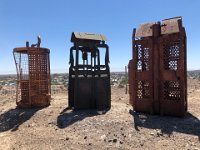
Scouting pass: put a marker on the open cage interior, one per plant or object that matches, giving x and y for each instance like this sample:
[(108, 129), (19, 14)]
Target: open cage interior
[(22, 91), (89, 73)]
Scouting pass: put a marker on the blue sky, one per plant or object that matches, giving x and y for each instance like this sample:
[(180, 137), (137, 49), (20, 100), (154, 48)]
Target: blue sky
[(54, 20)]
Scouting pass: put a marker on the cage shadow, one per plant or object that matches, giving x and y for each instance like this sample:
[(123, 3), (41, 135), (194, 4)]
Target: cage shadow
[(13, 118), (68, 116), (167, 124)]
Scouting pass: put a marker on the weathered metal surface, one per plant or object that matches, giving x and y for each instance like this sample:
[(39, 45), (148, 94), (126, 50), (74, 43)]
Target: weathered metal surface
[(87, 36), (33, 76), (142, 90), (173, 93), (144, 30), (157, 71), (89, 78), (172, 25)]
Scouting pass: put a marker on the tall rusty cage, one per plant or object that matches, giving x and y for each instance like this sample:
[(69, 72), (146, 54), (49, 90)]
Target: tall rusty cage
[(157, 71), (89, 72), (33, 76)]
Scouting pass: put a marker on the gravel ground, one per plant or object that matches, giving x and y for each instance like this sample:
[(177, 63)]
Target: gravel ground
[(56, 127)]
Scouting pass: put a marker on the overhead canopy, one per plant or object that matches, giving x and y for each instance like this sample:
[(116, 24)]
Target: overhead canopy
[(76, 36)]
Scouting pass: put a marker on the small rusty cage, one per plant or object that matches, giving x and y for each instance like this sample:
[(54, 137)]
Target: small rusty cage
[(89, 73), (33, 76), (157, 71)]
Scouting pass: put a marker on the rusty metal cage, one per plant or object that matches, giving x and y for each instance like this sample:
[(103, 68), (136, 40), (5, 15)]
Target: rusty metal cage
[(157, 71), (33, 76), (89, 74)]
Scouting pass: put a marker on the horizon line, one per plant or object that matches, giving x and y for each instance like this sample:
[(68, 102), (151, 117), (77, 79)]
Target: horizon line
[(68, 72)]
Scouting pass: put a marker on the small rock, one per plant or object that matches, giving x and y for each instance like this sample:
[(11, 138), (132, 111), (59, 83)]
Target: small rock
[(110, 144), (85, 137), (114, 140), (67, 138), (123, 135), (152, 133), (103, 137), (121, 142), (109, 140), (90, 143), (159, 134)]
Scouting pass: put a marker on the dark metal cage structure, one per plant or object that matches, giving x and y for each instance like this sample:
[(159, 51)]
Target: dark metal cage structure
[(157, 71), (89, 72), (33, 75)]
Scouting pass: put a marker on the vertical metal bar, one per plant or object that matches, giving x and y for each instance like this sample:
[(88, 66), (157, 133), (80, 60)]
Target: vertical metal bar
[(49, 77), (126, 89), (134, 78), (185, 67), (156, 63), (17, 87), (29, 78), (76, 77)]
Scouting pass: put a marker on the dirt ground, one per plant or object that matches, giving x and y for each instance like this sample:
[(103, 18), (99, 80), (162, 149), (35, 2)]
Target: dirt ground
[(55, 127)]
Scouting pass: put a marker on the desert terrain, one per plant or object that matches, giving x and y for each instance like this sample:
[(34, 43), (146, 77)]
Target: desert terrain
[(56, 127)]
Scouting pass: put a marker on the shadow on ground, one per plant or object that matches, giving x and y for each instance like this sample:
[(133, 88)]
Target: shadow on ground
[(13, 118), (68, 117), (188, 125)]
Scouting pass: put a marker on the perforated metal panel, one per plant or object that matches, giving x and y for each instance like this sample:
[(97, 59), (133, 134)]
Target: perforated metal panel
[(157, 72), (173, 74), (141, 76), (33, 76)]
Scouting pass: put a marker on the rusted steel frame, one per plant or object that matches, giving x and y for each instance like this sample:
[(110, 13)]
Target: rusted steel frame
[(143, 76), (17, 87), (37, 74), (80, 43), (183, 35), (179, 76), (183, 69), (159, 72), (156, 69), (80, 48), (133, 68), (49, 75), (76, 75), (30, 100)]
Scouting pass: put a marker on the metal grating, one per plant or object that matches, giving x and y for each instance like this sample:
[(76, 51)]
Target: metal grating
[(143, 58), (172, 91), (171, 55), (22, 65), (33, 76), (143, 90), (157, 71)]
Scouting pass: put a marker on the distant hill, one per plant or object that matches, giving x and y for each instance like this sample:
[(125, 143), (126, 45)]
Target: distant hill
[(189, 73), (193, 71), (194, 74)]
